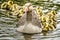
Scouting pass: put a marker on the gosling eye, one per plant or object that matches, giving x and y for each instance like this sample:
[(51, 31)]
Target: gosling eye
[(11, 3), (4, 5)]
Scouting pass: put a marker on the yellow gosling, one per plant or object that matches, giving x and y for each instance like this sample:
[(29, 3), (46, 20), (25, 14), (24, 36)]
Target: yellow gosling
[(52, 18), (10, 3), (43, 18), (50, 23), (15, 7), (45, 25), (51, 27), (7, 5), (39, 11), (4, 5), (52, 14), (20, 12), (45, 29), (53, 23), (15, 13)]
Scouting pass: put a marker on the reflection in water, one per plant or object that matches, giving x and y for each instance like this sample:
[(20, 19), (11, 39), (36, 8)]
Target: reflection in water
[(27, 36)]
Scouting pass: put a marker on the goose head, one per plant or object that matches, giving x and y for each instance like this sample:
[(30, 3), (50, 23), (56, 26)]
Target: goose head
[(27, 7)]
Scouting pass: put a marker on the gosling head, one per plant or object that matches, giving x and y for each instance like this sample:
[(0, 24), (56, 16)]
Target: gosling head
[(4, 5), (10, 3), (53, 12)]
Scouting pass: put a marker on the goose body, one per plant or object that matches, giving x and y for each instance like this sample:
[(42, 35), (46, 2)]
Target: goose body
[(29, 23)]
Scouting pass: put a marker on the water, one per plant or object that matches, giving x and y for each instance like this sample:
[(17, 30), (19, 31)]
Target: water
[(8, 24)]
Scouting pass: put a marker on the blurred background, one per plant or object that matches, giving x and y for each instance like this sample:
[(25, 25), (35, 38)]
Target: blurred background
[(8, 23)]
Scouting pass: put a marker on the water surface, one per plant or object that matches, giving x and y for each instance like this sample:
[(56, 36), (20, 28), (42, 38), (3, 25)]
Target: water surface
[(8, 24)]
